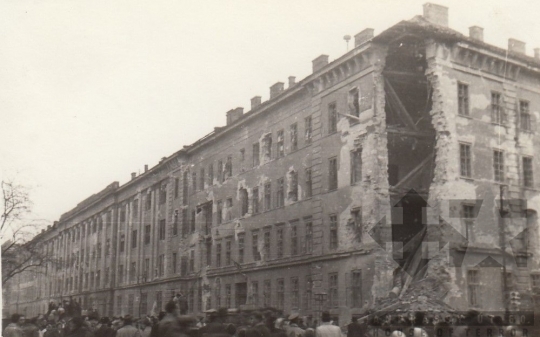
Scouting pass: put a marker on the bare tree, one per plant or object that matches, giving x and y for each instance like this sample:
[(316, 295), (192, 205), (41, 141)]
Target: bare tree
[(20, 252)]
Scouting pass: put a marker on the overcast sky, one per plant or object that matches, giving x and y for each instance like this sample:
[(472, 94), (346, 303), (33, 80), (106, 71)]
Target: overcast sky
[(91, 91)]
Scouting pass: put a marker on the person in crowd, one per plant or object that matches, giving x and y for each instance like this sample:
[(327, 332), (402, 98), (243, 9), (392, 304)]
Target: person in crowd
[(309, 332), (170, 325), (30, 328), (154, 332), (103, 328), (214, 327), (145, 326), (14, 328), (355, 329), (327, 329), (77, 328), (127, 329), (257, 326), (52, 330), (294, 330)]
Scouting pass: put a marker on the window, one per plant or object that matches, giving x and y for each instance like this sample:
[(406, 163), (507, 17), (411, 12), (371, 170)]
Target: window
[(120, 275), (333, 299), (333, 231), (465, 160), (332, 174), (159, 300), (193, 218), (161, 265), (356, 289), (468, 219), (201, 178), (242, 154), (498, 166), (267, 147), (294, 136), (356, 166), (122, 216), (191, 261), (219, 214), (175, 223), (279, 234), (256, 155), (185, 190), (266, 239), (255, 293), (280, 193), (332, 117), (280, 144), (241, 248), (528, 179), (535, 282), (294, 237), (229, 209), (267, 196), (135, 208), (218, 255), (176, 187), (244, 201), (255, 201), (280, 293), (228, 167), (295, 293), (308, 129), (293, 186), (185, 223), (357, 221), (119, 304), (122, 243), (228, 250), (524, 116), (354, 102), (133, 271), (98, 279), (99, 249), (147, 234), (210, 175), (463, 99), (497, 112), (163, 195), (144, 303), (134, 239), (220, 171), (309, 235), (209, 253), (174, 263), (162, 229), (184, 265), (267, 293), (309, 183), (218, 293), (105, 277), (194, 181), (255, 246), (107, 248), (473, 287), (227, 295), (131, 303)]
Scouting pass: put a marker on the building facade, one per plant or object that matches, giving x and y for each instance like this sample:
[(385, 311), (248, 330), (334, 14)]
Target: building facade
[(317, 199)]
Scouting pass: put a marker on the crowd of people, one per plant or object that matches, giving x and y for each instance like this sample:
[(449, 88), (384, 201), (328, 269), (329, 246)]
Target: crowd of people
[(173, 322)]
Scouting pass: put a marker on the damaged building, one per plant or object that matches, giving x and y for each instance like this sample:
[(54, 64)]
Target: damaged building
[(404, 169)]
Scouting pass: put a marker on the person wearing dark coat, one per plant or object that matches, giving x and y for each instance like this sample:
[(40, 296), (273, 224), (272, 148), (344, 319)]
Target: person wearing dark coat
[(104, 328), (77, 328), (170, 325), (355, 329)]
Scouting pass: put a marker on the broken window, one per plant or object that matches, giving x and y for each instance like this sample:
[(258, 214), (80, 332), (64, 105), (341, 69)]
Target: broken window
[(333, 232), (294, 136), (228, 167), (267, 147), (356, 166), (279, 234), (280, 146), (256, 154), (162, 229), (332, 174), (194, 180), (463, 99), (524, 116), (255, 246), (309, 235), (333, 299), (241, 240), (332, 117), (473, 283), (497, 111), (267, 196), (294, 237), (356, 289), (293, 186), (308, 129), (528, 178), (354, 102), (309, 183), (219, 214), (255, 201), (465, 160), (210, 175), (280, 193), (498, 165), (244, 200)]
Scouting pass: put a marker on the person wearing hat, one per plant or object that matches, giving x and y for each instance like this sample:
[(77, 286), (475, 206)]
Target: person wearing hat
[(293, 330), (103, 329), (327, 329)]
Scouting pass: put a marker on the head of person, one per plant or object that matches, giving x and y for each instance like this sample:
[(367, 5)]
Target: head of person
[(105, 321), (75, 323), (293, 318), (15, 318), (127, 320), (355, 319), (256, 318), (161, 315), (170, 307), (309, 332), (325, 317)]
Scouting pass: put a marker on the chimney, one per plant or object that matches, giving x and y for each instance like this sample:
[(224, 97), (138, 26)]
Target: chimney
[(363, 36), (146, 168), (133, 175), (255, 102), (320, 62), (234, 114), (537, 53), (292, 81), (516, 46), (476, 33), (276, 89), (436, 14)]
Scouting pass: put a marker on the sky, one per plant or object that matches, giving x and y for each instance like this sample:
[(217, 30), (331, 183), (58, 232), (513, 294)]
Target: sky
[(92, 90)]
